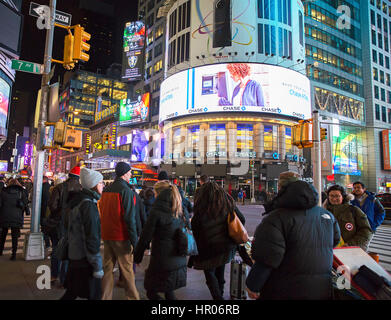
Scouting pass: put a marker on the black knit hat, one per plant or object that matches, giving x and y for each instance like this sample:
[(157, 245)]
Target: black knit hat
[(162, 176), (121, 168)]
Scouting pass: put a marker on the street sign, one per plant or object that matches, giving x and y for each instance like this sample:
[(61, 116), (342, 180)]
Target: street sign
[(63, 18), (25, 66)]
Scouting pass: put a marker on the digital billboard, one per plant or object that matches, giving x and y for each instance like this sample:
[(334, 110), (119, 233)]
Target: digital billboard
[(4, 104), (3, 165), (10, 25), (133, 51), (346, 152), (386, 137), (134, 112), (139, 146), (236, 87)]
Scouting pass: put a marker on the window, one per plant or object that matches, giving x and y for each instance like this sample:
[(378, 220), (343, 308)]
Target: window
[(383, 114), (381, 76), (383, 94), (245, 137), (380, 41), (386, 43), (379, 21), (389, 96), (375, 74), (376, 92), (388, 81), (381, 61), (373, 17), (217, 138), (260, 37), (389, 115), (377, 112), (288, 139), (387, 62), (374, 56), (374, 37), (268, 138)]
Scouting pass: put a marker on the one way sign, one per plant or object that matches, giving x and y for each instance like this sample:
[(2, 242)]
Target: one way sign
[(38, 10)]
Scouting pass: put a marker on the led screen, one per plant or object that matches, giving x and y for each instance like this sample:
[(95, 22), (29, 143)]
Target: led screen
[(346, 151), (133, 51), (10, 26), (386, 138), (133, 112), (3, 166), (236, 87), (4, 104), (139, 146)]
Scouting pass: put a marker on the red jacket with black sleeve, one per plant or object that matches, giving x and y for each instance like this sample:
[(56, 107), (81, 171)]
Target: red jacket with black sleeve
[(118, 213)]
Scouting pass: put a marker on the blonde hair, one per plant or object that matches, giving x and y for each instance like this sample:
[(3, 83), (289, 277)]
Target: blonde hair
[(175, 196)]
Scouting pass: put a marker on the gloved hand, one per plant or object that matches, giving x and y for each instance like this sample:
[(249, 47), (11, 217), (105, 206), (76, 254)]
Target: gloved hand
[(98, 274)]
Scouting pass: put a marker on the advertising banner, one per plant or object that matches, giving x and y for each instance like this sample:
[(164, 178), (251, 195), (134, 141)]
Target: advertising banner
[(236, 87), (347, 159), (133, 51), (135, 112), (3, 165), (4, 104), (386, 137)]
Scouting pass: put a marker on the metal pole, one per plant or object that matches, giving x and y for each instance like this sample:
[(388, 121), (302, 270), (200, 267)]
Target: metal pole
[(253, 187), (316, 156), (40, 157)]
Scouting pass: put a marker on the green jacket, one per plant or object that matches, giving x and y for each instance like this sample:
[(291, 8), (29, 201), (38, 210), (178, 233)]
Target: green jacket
[(354, 224)]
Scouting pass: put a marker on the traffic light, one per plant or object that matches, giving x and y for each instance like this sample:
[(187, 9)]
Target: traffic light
[(68, 52), (106, 139), (323, 134), (251, 163), (80, 44), (302, 134)]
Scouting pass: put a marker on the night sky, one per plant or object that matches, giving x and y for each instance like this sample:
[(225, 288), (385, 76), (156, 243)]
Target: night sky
[(33, 45)]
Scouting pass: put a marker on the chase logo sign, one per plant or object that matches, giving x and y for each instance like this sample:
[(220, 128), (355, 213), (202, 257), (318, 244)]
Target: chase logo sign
[(132, 60)]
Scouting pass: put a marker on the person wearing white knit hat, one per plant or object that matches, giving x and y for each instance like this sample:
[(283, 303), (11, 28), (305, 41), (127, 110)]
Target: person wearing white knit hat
[(85, 272)]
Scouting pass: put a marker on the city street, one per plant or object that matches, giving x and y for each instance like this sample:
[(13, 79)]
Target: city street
[(18, 278)]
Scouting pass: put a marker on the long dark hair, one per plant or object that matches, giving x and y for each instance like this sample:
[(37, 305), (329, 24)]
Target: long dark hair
[(212, 200)]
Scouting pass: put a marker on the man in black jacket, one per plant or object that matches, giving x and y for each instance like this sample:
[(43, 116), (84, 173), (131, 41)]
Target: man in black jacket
[(293, 248)]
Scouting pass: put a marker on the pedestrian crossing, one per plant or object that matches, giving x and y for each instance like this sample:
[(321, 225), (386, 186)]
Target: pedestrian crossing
[(381, 244), (8, 242)]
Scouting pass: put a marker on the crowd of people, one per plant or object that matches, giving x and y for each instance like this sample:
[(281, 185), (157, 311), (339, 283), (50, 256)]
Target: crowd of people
[(292, 247)]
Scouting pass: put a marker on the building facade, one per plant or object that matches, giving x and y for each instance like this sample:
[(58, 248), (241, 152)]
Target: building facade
[(234, 86), (11, 21), (376, 17), (334, 54)]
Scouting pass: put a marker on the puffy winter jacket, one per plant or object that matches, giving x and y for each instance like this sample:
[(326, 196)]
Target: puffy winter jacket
[(296, 241), (13, 204), (373, 209), (167, 269)]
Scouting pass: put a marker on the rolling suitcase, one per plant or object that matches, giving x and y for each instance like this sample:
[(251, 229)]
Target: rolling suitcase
[(239, 271)]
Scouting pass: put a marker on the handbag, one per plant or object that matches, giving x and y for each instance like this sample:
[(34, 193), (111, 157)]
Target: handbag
[(192, 249), (236, 230)]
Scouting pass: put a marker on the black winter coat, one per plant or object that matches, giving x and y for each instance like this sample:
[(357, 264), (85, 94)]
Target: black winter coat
[(296, 241), (13, 204), (167, 270), (214, 245)]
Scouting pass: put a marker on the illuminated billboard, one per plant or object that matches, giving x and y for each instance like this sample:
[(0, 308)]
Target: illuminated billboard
[(134, 112), (346, 152), (4, 104), (236, 87), (386, 138), (3, 165), (133, 51)]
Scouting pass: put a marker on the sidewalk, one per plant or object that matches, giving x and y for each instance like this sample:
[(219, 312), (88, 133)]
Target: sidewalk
[(18, 282)]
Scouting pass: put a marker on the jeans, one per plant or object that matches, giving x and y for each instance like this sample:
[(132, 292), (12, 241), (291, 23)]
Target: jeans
[(57, 267), (215, 282)]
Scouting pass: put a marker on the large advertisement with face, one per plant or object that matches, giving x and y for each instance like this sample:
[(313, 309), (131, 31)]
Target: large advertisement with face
[(225, 29), (4, 104), (236, 87), (133, 51)]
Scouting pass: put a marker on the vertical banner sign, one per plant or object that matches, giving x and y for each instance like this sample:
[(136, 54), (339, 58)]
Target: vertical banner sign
[(133, 51), (386, 149)]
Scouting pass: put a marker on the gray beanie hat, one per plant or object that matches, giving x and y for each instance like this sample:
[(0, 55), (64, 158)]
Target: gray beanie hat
[(89, 178)]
